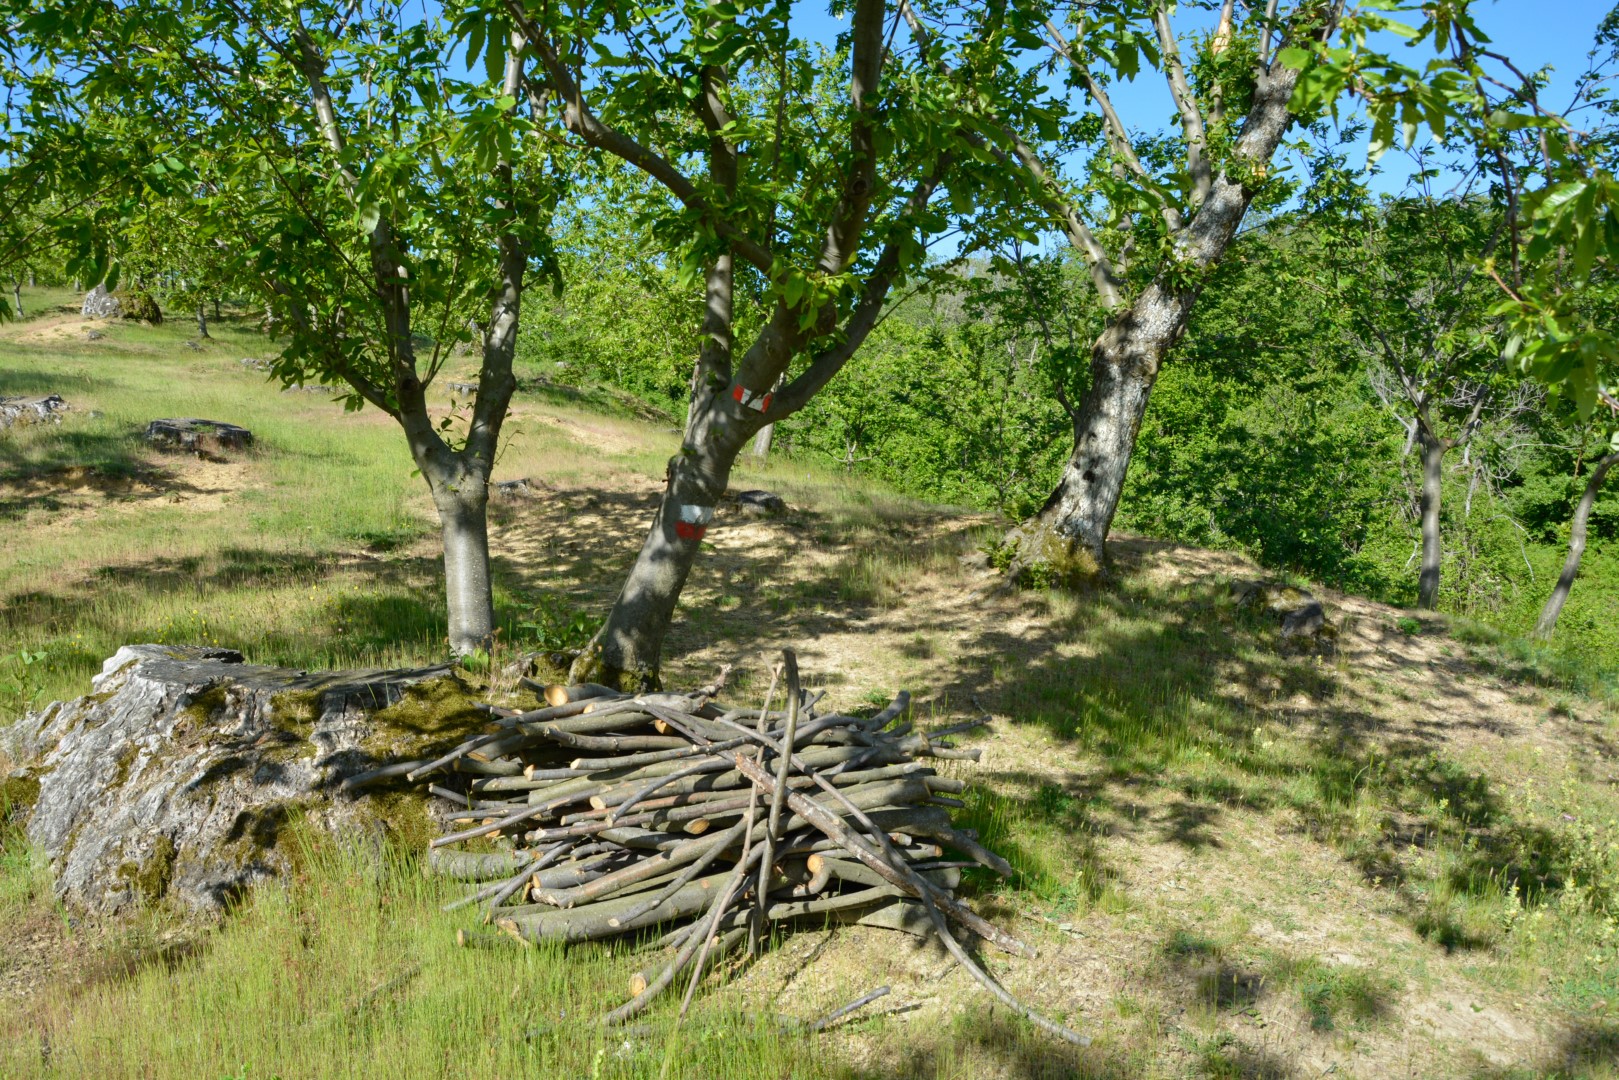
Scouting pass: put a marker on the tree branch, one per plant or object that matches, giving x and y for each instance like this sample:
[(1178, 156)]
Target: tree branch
[(860, 183), (579, 119), (1118, 138), (1109, 287), (1192, 132)]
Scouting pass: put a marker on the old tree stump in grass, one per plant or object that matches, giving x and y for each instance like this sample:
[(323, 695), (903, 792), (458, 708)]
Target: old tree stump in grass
[(177, 778), (197, 436), (17, 411)]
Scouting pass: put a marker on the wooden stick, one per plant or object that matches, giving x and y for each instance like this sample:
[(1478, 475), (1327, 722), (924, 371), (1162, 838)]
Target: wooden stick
[(838, 1014)]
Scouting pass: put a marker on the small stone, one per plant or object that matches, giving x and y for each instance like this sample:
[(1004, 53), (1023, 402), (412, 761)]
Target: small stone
[(101, 304), (18, 411), (197, 436), (760, 503), (253, 363), (463, 389), (94, 335)]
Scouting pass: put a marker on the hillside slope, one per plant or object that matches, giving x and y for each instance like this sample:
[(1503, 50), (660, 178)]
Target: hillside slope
[(1398, 856)]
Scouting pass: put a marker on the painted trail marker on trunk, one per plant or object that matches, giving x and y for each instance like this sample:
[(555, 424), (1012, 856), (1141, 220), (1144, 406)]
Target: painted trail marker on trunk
[(757, 400), (693, 522)]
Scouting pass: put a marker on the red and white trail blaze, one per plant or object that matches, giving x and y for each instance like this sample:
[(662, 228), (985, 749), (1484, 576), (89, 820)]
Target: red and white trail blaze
[(757, 400), (693, 522)]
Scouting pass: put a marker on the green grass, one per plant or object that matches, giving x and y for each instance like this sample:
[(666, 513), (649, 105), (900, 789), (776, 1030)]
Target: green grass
[(350, 970)]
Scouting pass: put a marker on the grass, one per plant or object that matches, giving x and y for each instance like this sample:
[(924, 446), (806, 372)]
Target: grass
[(1231, 848), (350, 970)]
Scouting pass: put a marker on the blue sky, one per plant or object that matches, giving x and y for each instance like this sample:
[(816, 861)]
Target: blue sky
[(1534, 33)]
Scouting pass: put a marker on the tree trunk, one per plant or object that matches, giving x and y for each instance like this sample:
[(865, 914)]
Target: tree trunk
[(762, 441), (202, 320), (1576, 548), (216, 309), (463, 519), (33, 280), (16, 296), (1433, 462), (1067, 538), (625, 652), (767, 434)]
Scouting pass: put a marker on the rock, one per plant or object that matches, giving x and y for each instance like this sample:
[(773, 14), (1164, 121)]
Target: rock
[(463, 389), (1306, 620), (176, 780), (141, 306), (94, 335), (17, 411), (198, 436), (194, 346), (310, 388), (514, 490), (760, 503), (1301, 615), (101, 304), (253, 363)]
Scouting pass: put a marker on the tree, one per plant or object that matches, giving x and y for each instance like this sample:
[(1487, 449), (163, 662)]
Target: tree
[(1554, 179), (1414, 304), (819, 196), (365, 189), (1150, 224)]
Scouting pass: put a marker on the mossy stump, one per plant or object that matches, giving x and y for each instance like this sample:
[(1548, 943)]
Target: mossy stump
[(179, 779)]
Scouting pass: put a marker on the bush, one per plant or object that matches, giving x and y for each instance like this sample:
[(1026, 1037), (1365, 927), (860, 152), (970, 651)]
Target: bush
[(141, 305)]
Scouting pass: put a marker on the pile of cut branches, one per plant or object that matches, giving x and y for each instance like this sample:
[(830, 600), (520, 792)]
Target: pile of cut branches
[(605, 814)]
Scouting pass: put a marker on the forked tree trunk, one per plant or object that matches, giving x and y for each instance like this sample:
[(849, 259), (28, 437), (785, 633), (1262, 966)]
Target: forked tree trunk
[(1069, 534), (202, 320), (1433, 464), (1576, 548), (1067, 537)]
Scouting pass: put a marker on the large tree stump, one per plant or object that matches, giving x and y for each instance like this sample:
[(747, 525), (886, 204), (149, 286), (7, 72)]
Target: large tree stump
[(178, 778), (197, 436)]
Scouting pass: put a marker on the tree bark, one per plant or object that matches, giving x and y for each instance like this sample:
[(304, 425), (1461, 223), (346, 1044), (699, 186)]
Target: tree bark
[(462, 509), (202, 320), (1576, 548), (1067, 537), (216, 309), (626, 650), (762, 441), (16, 296), (1433, 463)]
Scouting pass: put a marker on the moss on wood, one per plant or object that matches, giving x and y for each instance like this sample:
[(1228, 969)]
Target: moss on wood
[(151, 881), (427, 715)]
